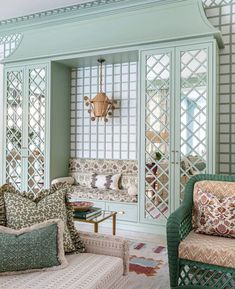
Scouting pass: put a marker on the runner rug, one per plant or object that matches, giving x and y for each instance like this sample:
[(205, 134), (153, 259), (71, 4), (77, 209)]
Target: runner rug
[(148, 266)]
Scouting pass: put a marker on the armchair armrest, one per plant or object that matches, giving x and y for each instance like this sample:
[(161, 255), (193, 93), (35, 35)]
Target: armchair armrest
[(107, 245), (179, 225)]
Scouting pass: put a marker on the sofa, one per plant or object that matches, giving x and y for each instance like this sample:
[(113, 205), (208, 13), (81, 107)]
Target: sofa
[(105, 265)]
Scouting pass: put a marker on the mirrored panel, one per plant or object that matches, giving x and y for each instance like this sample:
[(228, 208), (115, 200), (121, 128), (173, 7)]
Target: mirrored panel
[(14, 100), (36, 128), (193, 114), (157, 123)]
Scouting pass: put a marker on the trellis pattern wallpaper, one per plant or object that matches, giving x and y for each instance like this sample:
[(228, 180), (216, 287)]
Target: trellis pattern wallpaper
[(221, 14), (105, 141), (116, 139)]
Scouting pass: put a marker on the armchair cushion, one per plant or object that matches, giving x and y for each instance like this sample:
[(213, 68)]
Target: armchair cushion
[(207, 249)]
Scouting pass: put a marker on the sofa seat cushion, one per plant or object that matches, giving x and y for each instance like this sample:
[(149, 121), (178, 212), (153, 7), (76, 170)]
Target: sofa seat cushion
[(207, 249), (85, 271), (82, 192)]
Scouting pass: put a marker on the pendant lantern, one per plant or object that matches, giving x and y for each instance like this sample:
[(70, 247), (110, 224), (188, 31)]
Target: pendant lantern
[(100, 105)]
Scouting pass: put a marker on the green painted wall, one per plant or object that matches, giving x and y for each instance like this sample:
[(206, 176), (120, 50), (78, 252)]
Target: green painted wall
[(59, 120)]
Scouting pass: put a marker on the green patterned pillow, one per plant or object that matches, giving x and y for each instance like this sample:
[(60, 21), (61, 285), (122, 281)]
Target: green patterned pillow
[(3, 189), (36, 248), (25, 209)]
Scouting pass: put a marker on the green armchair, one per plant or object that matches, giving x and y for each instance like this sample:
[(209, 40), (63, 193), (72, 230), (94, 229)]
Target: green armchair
[(191, 274)]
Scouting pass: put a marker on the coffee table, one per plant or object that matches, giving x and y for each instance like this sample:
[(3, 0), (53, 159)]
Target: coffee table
[(96, 220)]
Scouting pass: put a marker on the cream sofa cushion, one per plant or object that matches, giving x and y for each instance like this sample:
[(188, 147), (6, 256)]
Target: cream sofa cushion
[(85, 271)]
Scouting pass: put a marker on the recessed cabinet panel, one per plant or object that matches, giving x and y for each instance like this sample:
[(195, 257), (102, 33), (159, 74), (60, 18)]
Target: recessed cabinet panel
[(14, 127)]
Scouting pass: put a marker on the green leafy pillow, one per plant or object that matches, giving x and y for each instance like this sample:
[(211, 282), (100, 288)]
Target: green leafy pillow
[(36, 248), (25, 209)]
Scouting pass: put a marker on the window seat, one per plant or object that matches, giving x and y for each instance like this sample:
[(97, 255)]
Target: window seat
[(82, 192)]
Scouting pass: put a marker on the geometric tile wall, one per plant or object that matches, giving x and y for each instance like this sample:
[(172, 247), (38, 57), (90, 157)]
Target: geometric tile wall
[(221, 13), (117, 138)]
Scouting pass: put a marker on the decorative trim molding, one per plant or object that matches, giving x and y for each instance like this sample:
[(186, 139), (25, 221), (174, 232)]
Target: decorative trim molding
[(58, 11), (66, 11), (9, 43)]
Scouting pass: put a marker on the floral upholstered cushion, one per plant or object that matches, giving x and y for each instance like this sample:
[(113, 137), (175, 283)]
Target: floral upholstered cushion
[(81, 170), (104, 181), (26, 209), (213, 215), (208, 249), (81, 192)]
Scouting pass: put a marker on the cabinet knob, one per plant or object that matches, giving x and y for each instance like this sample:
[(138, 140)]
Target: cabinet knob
[(121, 213)]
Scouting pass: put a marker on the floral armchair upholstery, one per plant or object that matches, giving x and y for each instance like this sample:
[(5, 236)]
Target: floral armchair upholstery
[(199, 261)]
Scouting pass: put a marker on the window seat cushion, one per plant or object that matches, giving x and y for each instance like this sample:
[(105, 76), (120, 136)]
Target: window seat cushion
[(81, 192)]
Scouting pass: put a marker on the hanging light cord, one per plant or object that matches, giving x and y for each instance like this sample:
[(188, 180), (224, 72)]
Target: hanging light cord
[(101, 75)]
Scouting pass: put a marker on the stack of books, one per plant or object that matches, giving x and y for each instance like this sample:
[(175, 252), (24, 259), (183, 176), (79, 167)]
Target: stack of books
[(88, 215)]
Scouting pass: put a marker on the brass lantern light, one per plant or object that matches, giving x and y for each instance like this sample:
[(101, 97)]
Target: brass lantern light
[(100, 105)]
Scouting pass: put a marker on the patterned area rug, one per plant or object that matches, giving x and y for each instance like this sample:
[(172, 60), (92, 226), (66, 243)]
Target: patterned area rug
[(148, 266)]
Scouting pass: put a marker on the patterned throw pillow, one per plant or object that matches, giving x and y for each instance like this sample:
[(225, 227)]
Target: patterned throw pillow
[(214, 216), (26, 209), (4, 188), (108, 182), (39, 248)]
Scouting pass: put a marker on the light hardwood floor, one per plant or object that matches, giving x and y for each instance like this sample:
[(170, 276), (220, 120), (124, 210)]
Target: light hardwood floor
[(137, 236)]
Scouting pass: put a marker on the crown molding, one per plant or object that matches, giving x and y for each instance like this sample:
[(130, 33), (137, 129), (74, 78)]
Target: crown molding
[(68, 13)]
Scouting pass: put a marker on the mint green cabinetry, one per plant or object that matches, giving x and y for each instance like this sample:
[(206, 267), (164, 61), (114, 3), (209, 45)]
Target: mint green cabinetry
[(37, 124), (178, 111), (176, 48)]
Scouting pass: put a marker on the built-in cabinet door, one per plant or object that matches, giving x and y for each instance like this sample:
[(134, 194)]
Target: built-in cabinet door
[(157, 103), (25, 145), (195, 125), (13, 165), (177, 125), (36, 125)]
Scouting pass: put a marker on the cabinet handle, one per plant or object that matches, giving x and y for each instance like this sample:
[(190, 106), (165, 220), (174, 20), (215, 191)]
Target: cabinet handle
[(172, 157), (121, 213), (177, 157)]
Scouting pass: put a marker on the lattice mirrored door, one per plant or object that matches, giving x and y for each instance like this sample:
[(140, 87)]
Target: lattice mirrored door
[(14, 127), (157, 136), (26, 91), (193, 114), (36, 127)]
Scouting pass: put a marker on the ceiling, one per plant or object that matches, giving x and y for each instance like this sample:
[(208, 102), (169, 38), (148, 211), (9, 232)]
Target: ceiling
[(16, 8)]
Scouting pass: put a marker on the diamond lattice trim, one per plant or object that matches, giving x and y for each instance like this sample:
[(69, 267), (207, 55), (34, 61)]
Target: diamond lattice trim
[(212, 3), (193, 114), (36, 124), (8, 44), (14, 127), (156, 140)]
